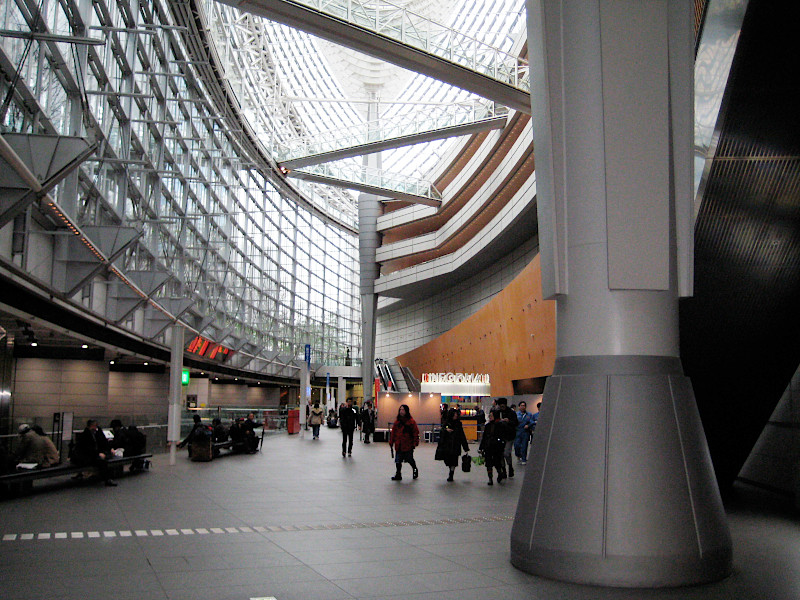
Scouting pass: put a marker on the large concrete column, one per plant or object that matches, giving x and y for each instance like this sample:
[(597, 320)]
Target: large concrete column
[(341, 392), (369, 240), (369, 209), (175, 390), (620, 488)]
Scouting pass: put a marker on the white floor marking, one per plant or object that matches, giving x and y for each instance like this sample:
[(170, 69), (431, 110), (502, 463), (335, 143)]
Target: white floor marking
[(76, 535)]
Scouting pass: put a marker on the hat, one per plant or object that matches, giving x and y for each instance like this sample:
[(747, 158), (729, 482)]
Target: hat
[(24, 428)]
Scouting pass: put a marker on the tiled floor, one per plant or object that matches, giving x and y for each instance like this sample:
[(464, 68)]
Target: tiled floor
[(298, 521)]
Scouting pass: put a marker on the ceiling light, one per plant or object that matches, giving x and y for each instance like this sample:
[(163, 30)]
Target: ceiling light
[(111, 362), (34, 344), (145, 364), (85, 346)]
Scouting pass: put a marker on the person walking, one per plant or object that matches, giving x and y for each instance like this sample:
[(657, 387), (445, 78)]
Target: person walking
[(403, 438), (493, 445), (315, 419), (367, 421), (508, 418), (451, 441), (526, 423), (480, 419), (348, 419)]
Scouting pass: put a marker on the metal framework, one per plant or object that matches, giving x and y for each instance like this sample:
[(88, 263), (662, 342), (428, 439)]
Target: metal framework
[(213, 236)]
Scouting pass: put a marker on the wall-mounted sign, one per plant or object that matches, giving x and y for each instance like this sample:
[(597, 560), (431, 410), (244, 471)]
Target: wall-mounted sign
[(208, 349), (185, 377), (456, 384)]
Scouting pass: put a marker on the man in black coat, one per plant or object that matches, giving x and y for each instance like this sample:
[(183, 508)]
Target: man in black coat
[(92, 449), (509, 421), (367, 416), (348, 419)]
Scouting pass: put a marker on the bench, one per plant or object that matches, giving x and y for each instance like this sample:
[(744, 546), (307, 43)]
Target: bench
[(28, 476), (217, 446)]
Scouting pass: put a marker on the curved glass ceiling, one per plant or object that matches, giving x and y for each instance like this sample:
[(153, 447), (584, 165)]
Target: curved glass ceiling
[(293, 85)]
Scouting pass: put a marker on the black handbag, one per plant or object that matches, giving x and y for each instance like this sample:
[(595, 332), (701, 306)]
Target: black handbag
[(466, 463)]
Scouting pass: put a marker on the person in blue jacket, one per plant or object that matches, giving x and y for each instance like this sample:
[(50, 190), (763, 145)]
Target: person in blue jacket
[(526, 423)]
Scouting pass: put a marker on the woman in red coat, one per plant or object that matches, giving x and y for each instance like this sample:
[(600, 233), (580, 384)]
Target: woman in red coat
[(404, 438)]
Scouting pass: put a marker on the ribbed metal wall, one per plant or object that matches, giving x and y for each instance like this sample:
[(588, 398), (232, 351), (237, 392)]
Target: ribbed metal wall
[(740, 333)]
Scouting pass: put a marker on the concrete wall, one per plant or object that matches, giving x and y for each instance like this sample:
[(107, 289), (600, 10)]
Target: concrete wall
[(45, 386), (142, 397), (87, 389)]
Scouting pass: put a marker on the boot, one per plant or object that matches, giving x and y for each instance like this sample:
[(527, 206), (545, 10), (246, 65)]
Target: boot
[(450, 477), (397, 476), (491, 481), (510, 472), (415, 473)]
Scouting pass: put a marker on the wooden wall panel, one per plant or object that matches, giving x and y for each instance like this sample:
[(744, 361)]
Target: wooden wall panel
[(512, 337)]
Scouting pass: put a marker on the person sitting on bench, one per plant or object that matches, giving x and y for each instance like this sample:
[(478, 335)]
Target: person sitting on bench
[(92, 449), (36, 448), (251, 440), (197, 424), (238, 436)]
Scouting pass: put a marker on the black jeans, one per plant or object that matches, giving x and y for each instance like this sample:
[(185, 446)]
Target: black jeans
[(347, 440)]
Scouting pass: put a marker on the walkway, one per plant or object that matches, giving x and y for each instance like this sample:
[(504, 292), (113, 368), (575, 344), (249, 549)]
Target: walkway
[(298, 521)]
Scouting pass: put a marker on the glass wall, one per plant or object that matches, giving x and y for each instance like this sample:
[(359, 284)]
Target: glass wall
[(259, 261)]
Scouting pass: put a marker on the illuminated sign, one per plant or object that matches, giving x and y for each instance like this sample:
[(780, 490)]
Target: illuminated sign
[(208, 349), (185, 377), (455, 378), (456, 384)]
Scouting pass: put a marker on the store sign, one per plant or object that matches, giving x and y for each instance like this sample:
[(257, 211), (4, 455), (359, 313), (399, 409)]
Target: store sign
[(456, 384), (455, 378)]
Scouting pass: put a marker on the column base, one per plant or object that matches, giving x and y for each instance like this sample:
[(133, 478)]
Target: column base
[(620, 490)]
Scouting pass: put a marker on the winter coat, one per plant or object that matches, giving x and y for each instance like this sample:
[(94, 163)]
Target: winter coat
[(35, 448), (510, 427), (89, 445), (317, 416), (348, 418), (493, 443), (404, 435), (367, 420), (451, 441)]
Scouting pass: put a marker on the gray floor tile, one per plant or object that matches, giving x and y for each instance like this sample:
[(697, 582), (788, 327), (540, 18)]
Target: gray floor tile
[(340, 531)]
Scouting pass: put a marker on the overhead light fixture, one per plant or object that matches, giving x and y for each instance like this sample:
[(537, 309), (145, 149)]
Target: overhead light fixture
[(34, 344), (111, 362), (145, 364), (85, 346)]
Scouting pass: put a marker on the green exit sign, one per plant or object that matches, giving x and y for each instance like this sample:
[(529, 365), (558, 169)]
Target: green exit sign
[(185, 377)]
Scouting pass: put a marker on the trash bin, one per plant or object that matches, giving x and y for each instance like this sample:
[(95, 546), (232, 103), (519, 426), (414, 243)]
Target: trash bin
[(293, 421)]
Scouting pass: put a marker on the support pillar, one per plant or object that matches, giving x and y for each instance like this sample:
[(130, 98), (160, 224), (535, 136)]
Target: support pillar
[(369, 240), (341, 392), (620, 489), (175, 390)]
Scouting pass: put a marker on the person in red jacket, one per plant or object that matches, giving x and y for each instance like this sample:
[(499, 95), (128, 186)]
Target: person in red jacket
[(404, 438)]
